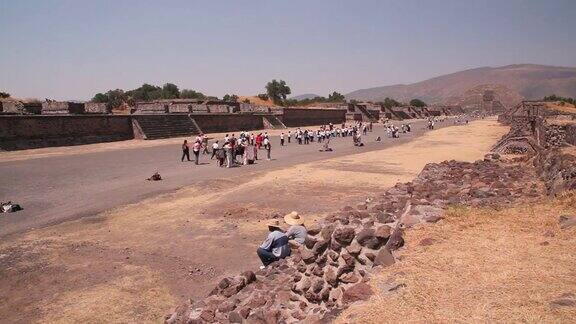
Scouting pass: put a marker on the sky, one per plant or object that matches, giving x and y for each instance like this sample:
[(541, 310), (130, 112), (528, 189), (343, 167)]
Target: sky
[(70, 50)]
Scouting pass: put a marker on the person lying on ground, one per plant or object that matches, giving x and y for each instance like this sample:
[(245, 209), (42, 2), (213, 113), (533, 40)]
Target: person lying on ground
[(275, 246)]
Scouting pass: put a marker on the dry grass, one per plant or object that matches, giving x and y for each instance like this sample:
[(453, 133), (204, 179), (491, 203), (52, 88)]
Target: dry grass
[(563, 107), (485, 266)]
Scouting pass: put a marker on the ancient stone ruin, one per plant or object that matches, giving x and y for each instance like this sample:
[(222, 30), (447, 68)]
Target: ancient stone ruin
[(333, 268)]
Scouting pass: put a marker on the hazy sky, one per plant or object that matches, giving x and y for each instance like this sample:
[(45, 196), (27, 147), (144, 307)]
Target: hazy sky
[(73, 49)]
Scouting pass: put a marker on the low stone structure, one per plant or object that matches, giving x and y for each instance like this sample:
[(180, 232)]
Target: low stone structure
[(23, 132), (542, 133), (96, 108), (20, 108), (333, 267), (62, 108)]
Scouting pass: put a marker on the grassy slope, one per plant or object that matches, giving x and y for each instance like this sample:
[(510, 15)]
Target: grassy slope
[(485, 265)]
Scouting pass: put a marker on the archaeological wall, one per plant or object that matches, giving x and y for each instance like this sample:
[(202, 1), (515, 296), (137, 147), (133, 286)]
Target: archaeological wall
[(22, 132), (292, 117), (214, 123)]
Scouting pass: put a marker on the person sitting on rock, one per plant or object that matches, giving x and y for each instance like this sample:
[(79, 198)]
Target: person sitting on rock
[(275, 246), (297, 233)]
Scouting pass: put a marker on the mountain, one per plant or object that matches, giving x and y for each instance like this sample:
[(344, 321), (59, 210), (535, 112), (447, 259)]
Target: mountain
[(516, 82), (305, 96)]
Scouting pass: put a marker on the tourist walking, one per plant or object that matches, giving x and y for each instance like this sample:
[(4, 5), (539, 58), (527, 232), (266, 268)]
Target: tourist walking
[(221, 157), (268, 148), (215, 148), (205, 144), (185, 151), (228, 149), (282, 139), (196, 150)]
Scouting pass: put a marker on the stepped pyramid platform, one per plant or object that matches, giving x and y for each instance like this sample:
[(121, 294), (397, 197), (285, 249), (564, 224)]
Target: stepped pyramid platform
[(164, 126)]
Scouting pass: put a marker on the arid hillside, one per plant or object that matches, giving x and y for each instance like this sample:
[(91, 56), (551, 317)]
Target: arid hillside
[(528, 80)]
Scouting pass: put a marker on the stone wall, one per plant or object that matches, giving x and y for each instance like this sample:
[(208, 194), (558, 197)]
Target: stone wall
[(24, 108), (62, 108), (23, 132), (571, 134), (215, 123), (557, 169), (293, 117), (96, 108)]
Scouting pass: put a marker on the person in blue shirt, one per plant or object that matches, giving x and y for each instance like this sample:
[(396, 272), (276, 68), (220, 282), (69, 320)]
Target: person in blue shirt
[(275, 246)]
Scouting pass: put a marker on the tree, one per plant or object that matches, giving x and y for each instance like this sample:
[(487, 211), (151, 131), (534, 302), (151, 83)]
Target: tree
[(170, 91), (291, 102), (417, 103), (4, 95), (277, 91), (115, 98), (559, 98), (191, 94), (389, 103), (246, 101), (228, 97), (146, 92), (336, 97), (100, 98), (263, 96)]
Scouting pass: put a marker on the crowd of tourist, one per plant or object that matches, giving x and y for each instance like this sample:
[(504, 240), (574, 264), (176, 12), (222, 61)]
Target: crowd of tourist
[(243, 149)]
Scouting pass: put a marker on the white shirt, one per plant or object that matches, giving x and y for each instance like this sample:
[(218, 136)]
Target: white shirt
[(215, 146)]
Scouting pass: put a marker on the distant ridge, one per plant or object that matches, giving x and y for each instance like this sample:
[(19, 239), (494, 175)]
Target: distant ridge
[(305, 96), (523, 81)]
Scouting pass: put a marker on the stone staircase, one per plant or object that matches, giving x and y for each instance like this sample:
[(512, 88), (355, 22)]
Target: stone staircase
[(271, 121), (165, 126), (366, 113)]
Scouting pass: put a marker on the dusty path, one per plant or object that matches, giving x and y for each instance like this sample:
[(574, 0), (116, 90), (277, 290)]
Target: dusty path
[(133, 263), (83, 181)]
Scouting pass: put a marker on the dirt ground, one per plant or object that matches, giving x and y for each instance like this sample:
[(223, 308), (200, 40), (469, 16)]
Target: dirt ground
[(134, 263), (514, 265)]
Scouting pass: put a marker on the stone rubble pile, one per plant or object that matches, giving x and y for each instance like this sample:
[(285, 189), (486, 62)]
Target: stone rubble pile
[(555, 136), (332, 269), (557, 169)]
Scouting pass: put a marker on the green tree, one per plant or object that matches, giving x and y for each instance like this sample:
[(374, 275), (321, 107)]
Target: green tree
[(559, 98), (278, 91), (143, 93), (170, 91), (389, 103), (100, 98), (228, 97), (263, 96), (291, 102), (246, 101), (4, 95), (115, 98), (417, 103), (336, 97), (191, 94)]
